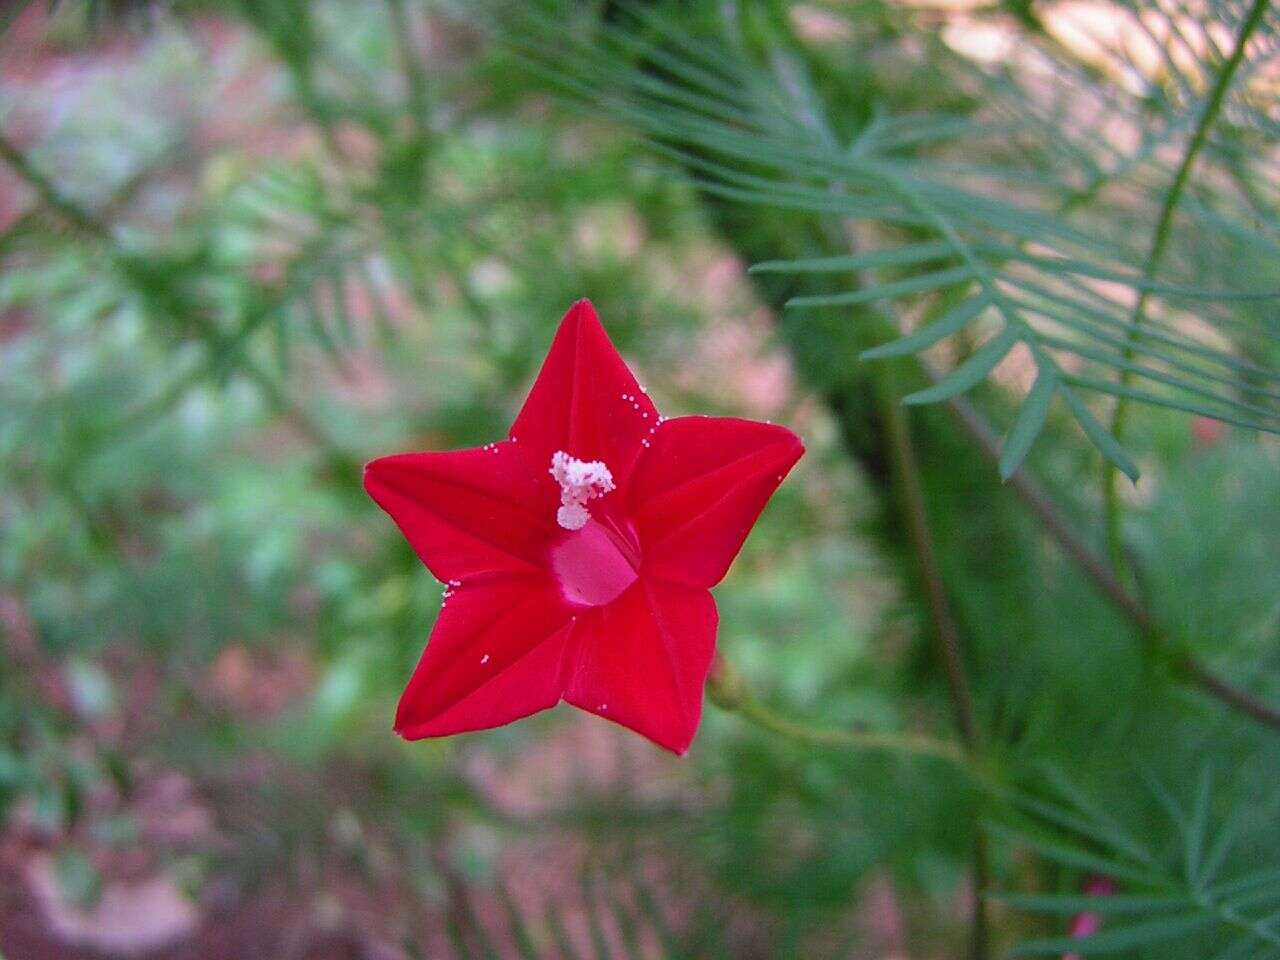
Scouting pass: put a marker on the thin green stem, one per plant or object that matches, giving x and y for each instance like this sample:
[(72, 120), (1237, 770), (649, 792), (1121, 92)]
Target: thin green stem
[(415, 76), (52, 197), (763, 716), (1160, 240), (946, 635), (728, 690), (915, 514)]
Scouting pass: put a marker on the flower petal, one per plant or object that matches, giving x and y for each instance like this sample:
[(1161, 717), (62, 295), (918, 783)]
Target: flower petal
[(642, 660), (585, 400), (468, 512), (698, 490), (496, 655)]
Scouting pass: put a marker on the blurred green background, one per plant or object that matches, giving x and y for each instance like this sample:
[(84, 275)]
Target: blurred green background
[(247, 248)]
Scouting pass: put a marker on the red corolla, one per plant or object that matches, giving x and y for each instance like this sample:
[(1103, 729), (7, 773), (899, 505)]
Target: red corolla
[(579, 551)]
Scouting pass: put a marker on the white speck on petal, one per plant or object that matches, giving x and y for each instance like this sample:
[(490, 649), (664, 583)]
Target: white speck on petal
[(484, 660), (603, 707)]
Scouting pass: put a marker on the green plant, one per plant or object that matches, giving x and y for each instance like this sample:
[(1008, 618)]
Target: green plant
[(946, 677)]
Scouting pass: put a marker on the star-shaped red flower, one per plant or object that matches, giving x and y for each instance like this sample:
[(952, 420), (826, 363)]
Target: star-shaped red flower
[(579, 552)]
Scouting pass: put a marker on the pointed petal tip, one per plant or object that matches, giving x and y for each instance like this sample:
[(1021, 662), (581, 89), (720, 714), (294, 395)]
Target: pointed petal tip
[(678, 747), (680, 752), (795, 447), (375, 470), (406, 732), (581, 310), (405, 728), (367, 475)]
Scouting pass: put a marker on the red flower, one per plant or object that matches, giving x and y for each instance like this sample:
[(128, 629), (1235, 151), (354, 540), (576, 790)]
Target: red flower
[(579, 551)]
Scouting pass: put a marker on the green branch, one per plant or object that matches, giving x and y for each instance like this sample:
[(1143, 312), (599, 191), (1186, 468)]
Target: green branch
[(1094, 566), (50, 195), (1160, 240)]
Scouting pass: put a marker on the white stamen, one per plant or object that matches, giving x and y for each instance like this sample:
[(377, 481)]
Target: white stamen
[(572, 516), (580, 481)]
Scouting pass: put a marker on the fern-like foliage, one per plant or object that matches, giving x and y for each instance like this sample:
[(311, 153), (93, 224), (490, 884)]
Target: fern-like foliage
[(1048, 247), (1195, 897)]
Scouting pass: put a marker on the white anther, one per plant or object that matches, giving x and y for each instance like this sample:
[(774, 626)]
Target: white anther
[(580, 481)]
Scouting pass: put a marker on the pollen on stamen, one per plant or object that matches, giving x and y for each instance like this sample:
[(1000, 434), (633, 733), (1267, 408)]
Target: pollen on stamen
[(580, 481)]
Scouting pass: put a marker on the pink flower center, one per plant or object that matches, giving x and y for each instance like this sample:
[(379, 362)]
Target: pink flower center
[(594, 564)]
